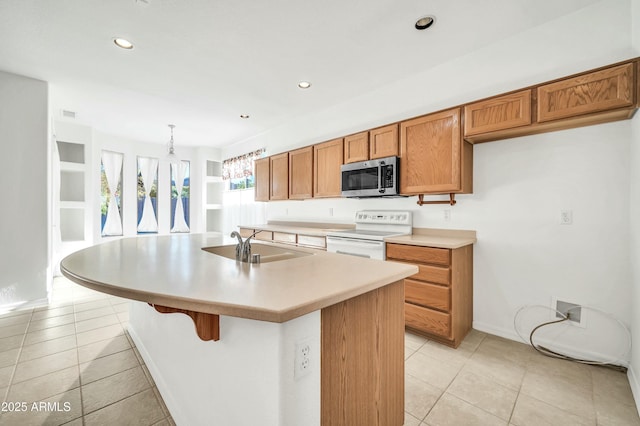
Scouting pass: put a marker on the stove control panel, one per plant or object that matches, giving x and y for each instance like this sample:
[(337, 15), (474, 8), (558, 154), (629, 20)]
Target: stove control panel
[(389, 217)]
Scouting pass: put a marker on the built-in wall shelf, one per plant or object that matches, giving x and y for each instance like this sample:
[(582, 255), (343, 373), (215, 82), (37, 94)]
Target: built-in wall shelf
[(213, 191), (72, 198), (72, 167)]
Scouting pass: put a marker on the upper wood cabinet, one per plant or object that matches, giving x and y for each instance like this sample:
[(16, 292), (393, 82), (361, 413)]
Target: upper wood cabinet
[(433, 157), (499, 113), (356, 147), (279, 189), (327, 159), (262, 179), (383, 142), (301, 173), (597, 91)]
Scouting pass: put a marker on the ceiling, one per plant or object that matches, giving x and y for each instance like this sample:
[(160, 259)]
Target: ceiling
[(199, 64)]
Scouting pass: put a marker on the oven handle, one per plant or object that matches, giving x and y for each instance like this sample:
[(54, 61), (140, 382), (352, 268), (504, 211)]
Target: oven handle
[(354, 240), (353, 254)]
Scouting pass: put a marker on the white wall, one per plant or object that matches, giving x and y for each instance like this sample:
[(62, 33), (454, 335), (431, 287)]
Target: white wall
[(24, 209), (523, 256), (634, 370)]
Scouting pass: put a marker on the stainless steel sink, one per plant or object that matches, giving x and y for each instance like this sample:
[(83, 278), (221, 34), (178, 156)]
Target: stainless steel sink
[(268, 253)]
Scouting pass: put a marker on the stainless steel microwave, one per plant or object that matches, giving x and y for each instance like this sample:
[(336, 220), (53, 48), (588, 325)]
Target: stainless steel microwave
[(373, 178)]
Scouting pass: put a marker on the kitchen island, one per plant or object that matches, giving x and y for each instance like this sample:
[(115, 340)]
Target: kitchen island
[(314, 339)]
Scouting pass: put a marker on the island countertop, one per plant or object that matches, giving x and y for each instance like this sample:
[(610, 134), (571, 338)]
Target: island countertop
[(174, 271)]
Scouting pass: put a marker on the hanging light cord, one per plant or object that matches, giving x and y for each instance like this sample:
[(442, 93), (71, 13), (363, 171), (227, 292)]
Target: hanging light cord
[(548, 352)]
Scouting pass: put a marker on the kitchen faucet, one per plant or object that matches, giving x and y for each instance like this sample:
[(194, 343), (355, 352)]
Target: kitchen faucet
[(243, 248)]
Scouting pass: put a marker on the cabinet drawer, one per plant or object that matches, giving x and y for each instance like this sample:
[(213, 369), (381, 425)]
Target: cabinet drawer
[(264, 235), (433, 274), (284, 237), (438, 256), (428, 320), (424, 294), (312, 241)]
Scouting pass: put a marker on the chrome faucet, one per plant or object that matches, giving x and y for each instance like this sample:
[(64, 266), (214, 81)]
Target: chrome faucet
[(243, 248)]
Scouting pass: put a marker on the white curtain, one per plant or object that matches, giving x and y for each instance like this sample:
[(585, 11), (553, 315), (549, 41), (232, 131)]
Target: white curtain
[(149, 171), (112, 162), (178, 172)]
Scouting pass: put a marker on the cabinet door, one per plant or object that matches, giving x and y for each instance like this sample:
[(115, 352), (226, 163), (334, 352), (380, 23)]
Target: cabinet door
[(279, 177), (262, 177), (327, 159), (431, 154), (301, 173), (500, 113), (597, 91), (356, 147), (383, 142)]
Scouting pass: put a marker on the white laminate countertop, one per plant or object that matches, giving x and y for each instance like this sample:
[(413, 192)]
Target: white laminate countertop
[(174, 271)]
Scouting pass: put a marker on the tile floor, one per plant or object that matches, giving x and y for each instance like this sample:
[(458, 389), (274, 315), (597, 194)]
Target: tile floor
[(76, 352)]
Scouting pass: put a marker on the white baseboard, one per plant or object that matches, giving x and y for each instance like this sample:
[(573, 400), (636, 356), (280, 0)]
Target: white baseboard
[(635, 386), (565, 349), (165, 391)]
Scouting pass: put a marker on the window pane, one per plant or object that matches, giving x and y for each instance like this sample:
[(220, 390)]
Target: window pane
[(147, 195), (180, 190)]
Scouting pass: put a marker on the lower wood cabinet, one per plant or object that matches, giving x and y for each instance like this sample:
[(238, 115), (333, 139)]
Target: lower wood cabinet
[(439, 298)]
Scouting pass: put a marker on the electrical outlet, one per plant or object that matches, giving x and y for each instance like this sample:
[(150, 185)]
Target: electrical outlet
[(570, 310), (447, 215), (566, 217), (302, 359)]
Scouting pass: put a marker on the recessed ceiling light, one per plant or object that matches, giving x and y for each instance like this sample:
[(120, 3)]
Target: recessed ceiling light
[(426, 22), (123, 43), (304, 84), (244, 115)]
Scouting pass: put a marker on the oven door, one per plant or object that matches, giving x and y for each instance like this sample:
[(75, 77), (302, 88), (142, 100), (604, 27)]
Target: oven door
[(355, 247)]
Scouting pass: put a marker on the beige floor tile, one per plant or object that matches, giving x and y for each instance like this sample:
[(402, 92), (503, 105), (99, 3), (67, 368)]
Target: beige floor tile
[(532, 412), (413, 340), (98, 334), (49, 334), (94, 313), (502, 349), (53, 312), (76, 422), (123, 317), (474, 338), (91, 305), (140, 409), (430, 370), (16, 312), (5, 375), (484, 393), (103, 348), (92, 324), (114, 388), (163, 422), (47, 347), (571, 373), (121, 307), (504, 372), (451, 411), (409, 420), (171, 422), (419, 397), (45, 365), (610, 384), (610, 412), (13, 330), (158, 396), (571, 398), (147, 374), (18, 318), (9, 358), (50, 322), (56, 410), (408, 352), (457, 357), (107, 366), (12, 342), (45, 386)]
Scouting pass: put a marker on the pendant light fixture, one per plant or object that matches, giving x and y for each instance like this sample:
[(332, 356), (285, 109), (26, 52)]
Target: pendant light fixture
[(171, 155)]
